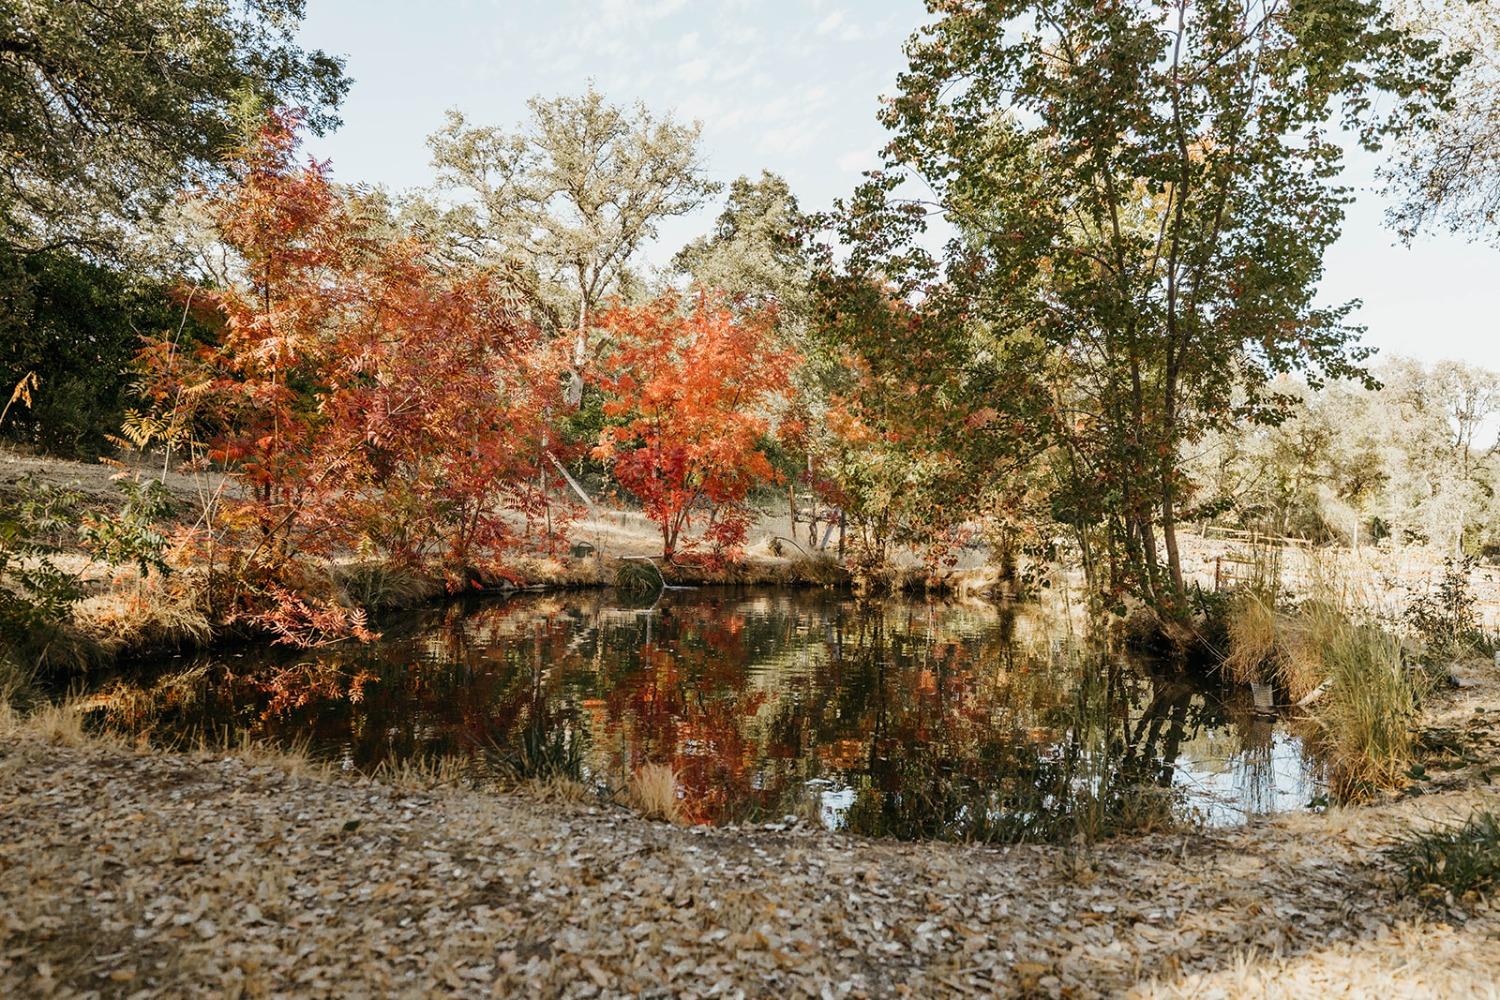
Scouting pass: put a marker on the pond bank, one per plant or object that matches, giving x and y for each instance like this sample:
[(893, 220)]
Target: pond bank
[(126, 873), (127, 619)]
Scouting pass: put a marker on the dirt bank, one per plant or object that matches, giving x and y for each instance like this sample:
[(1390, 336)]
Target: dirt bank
[(146, 874)]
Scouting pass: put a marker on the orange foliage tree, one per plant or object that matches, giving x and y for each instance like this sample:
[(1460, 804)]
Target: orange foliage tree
[(692, 392), (363, 401)]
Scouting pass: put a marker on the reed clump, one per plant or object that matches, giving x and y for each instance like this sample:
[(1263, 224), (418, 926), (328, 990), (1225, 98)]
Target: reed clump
[(384, 586), (1352, 673), (639, 577), (1370, 708)]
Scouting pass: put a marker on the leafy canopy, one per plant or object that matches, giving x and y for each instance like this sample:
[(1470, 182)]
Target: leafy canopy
[(107, 109)]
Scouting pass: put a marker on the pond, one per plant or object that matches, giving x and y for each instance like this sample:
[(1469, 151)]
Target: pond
[(905, 718)]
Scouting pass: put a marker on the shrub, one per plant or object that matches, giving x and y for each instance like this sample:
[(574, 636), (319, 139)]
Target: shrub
[(1445, 620), (36, 592)]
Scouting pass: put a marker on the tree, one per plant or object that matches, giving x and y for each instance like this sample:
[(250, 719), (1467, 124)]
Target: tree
[(911, 446), (755, 253), (1449, 173), (362, 400), (691, 393), (76, 325), (1144, 190), (567, 202), (107, 109)]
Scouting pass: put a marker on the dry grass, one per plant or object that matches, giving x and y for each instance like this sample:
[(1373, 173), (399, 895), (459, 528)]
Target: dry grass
[(1304, 641), (424, 773), (652, 792), (556, 788), (1254, 633), (54, 724), (157, 613), (1409, 959), (295, 761), (1371, 696)]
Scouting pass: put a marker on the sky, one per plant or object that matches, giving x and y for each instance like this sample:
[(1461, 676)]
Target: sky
[(790, 86)]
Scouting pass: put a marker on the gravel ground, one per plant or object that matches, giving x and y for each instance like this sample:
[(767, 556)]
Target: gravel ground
[(149, 874)]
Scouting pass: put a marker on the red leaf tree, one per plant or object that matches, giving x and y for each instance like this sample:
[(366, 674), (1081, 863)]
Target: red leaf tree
[(364, 401), (692, 391)]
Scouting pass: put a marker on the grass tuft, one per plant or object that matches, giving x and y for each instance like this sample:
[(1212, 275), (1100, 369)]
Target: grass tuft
[(652, 792), (382, 586), (638, 577), (1461, 861)]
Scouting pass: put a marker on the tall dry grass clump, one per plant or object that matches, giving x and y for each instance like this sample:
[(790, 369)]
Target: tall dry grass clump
[(1252, 626), (1328, 653), (1302, 643), (159, 613), (1370, 709), (652, 792)]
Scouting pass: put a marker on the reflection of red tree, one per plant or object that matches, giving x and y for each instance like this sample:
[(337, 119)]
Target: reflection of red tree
[(303, 684), (713, 756), (695, 723)]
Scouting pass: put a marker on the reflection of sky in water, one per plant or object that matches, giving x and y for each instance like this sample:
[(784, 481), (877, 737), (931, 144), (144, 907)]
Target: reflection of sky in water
[(1268, 776)]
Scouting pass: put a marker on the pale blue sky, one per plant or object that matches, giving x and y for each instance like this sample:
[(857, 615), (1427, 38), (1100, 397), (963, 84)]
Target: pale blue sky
[(786, 85)]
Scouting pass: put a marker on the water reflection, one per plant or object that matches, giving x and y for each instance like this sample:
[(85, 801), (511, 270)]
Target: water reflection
[(897, 718)]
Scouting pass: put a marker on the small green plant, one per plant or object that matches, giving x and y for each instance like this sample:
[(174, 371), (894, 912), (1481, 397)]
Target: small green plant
[(132, 536), (1445, 620), (1461, 861), (36, 592)]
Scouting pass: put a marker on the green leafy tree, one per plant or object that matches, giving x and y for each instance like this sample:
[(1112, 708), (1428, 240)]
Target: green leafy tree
[(1449, 173), (1144, 189), (755, 252), (109, 108), (77, 325)]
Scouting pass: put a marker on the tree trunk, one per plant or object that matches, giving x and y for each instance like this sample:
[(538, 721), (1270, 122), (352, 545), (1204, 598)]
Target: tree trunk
[(573, 394), (1169, 537)]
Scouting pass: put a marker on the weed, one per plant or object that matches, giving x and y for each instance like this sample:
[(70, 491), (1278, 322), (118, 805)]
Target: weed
[(1455, 860), (162, 613)]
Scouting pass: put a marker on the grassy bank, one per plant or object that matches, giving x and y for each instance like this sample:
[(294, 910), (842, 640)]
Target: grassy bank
[(128, 616), (1359, 677)]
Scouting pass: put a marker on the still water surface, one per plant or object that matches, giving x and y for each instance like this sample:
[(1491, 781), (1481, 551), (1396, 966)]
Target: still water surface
[(898, 718)]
